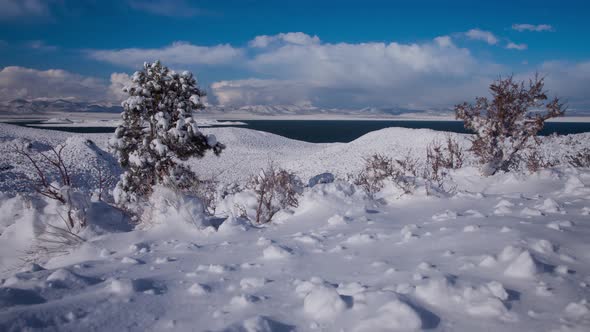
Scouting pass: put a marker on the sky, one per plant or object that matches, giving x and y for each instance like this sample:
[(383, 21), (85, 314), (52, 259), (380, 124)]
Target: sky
[(334, 54)]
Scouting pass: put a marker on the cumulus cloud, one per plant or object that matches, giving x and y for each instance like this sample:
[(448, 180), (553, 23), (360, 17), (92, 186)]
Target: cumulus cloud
[(118, 82), (433, 73), (444, 41), (27, 83), (13, 9), (477, 34), (299, 69), (569, 81), (261, 92), (532, 27), (514, 46), (296, 38), (179, 53)]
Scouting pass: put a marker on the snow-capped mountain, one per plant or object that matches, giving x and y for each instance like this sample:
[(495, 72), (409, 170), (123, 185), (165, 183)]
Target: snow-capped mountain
[(296, 110), (22, 106)]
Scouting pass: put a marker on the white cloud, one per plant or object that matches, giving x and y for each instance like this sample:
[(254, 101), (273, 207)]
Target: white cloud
[(26, 83), (444, 41), (261, 92), (532, 27), (569, 81), (514, 46), (179, 53), (431, 74), (434, 73), (13, 9), (118, 82), (297, 38), (40, 45), (477, 34)]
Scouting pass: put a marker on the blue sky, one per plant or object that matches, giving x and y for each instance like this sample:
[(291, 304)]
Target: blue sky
[(415, 54)]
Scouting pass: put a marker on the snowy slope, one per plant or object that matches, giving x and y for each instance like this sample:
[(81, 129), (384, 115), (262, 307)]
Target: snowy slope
[(248, 151), (504, 253)]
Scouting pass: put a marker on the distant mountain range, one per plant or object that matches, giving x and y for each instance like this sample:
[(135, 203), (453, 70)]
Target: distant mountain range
[(297, 110), (22, 106)]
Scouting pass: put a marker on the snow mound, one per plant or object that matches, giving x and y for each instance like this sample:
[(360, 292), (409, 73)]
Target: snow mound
[(524, 267), (392, 316), (121, 287), (482, 301), (199, 289), (444, 216), (276, 252), (360, 239), (253, 282), (174, 209), (323, 303), (243, 300), (549, 205), (66, 278), (259, 324)]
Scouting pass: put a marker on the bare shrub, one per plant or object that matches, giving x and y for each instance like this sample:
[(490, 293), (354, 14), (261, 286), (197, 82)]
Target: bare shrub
[(535, 161), (71, 204), (105, 180), (440, 158), (580, 159), (206, 191), (379, 168), (59, 190), (275, 189), (509, 122)]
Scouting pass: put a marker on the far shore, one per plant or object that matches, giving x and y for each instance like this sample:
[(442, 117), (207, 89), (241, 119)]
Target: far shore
[(110, 119)]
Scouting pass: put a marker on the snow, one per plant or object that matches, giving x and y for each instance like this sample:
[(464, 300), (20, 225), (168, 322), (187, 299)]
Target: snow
[(470, 260), (524, 266), (323, 303), (392, 316), (275, 252)]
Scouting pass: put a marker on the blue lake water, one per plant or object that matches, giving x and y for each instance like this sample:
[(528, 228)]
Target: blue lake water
[(327, 131)]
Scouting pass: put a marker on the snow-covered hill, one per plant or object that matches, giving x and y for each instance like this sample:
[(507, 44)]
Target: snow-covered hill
[(503, 253)]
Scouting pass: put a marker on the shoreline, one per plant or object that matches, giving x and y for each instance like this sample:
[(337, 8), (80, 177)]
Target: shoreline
[(81, 118)]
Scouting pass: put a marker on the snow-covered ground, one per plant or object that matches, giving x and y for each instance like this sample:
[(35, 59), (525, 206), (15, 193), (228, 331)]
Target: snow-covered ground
[(502, 253)]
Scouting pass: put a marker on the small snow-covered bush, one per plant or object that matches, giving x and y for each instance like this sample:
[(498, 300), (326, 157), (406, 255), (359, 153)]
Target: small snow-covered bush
[(534, 160), (158, 130), (275, 189), (509, 122), (168, 206), (71, 203), (580, 159), (440, 158), (206, 191), (379, 168)]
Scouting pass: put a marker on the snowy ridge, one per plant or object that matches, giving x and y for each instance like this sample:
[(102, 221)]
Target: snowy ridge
[(504, 253)]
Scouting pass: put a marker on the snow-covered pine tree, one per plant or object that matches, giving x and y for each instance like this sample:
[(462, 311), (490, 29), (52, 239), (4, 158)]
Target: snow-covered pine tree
[(157, 131)]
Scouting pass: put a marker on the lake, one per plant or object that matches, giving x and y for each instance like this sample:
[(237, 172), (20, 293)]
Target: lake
[(328, 131)]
